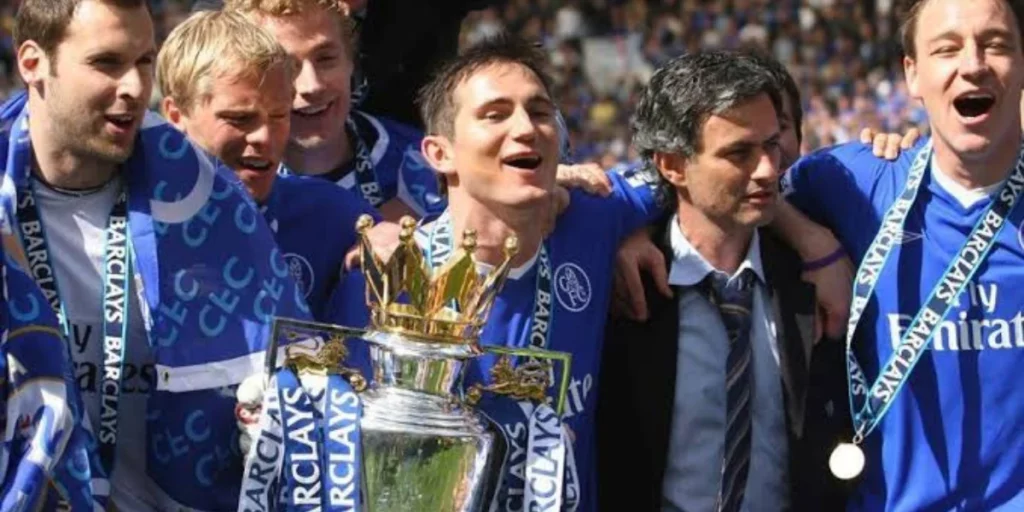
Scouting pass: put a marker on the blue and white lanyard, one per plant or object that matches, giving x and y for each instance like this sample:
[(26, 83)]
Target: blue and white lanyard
[(870, 405), (117, 271)]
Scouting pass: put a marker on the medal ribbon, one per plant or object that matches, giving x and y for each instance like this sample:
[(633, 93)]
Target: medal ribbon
[(870, 405), (366, 175), (116, 269), (87, 482), (546, 458)]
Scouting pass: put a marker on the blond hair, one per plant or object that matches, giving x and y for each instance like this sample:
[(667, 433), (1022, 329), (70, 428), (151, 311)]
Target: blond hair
[(215, 44), (281, 8)]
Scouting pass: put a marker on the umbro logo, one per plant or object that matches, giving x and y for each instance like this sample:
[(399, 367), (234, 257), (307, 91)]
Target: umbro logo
[(907, 237)]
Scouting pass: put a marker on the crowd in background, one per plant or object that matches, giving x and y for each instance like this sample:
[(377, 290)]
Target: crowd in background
[(844, 55)]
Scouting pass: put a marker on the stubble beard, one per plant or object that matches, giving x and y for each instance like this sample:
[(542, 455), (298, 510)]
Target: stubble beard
[(83, 136)]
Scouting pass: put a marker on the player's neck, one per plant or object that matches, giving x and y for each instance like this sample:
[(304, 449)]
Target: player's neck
[(60, 167), (975, 174), (493, 228), (724, 248), (322, 160)]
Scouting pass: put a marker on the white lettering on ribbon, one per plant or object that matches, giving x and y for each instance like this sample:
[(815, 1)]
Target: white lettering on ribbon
[(344, 420), (265, 458), (545, 461), (304, 463)]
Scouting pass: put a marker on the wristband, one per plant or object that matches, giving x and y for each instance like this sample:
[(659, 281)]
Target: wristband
[(824, 262)]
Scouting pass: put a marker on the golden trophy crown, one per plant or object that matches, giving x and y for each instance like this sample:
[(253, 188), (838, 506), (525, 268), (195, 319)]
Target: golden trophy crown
[(447, 305)]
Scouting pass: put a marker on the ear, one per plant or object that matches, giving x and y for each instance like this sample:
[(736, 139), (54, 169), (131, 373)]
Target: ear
[(439, 153), (172, 112), (33, 64), (910, 72), (672, 167)]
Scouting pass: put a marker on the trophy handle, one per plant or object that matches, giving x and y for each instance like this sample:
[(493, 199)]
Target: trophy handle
[(326, 359), (527, 381)]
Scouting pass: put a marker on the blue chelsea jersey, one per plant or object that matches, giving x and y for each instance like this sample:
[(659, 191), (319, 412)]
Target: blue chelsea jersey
[(399, 167), (582, 252), (314, 223), (954, 436)]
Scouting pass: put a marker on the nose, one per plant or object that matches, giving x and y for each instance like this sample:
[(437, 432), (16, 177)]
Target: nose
[(259, 136), (135, 85), (522, 125), (972, 62), (767, 167), (307, 82)]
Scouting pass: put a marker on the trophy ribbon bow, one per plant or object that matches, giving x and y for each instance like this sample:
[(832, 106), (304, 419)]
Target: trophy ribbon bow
[(551, 481), (306, 455)]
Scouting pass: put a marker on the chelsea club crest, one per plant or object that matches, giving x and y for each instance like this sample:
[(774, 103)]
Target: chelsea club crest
[(301, 271), (572, 287)]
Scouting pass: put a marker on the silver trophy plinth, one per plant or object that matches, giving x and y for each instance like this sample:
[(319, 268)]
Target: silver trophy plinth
[(423, 449)]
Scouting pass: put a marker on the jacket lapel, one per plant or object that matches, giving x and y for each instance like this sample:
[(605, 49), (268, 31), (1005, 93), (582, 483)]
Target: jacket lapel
[(660, 355), (793, 306)]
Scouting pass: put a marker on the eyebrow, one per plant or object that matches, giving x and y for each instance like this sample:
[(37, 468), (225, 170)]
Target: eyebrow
[(324, 45), (235, 111), (995, 32), (748, 143), (537, 99), (985, 34), (104, 54)]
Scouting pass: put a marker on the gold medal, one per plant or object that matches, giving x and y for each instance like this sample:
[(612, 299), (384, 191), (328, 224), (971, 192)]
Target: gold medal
[(847, 461)]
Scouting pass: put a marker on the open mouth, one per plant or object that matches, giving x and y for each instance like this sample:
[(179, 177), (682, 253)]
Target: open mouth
[(255, 164), (974, 104), (312, 111), (524, 162), (122, 121)]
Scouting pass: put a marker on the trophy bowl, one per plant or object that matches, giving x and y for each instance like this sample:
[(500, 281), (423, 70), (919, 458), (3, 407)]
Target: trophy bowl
[(424, 448)]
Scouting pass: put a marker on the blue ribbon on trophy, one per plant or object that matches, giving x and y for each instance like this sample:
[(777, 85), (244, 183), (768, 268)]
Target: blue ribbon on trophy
[(545, 460), (265, 457), (305, 455), (549, 479)]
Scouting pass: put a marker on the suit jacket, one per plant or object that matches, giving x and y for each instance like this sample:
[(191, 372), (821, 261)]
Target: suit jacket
[(637, 391)]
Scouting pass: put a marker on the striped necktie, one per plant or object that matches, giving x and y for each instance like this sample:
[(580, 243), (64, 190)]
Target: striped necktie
[(734, 299)]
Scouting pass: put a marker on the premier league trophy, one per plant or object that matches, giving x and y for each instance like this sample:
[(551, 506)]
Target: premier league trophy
[(421, 443)]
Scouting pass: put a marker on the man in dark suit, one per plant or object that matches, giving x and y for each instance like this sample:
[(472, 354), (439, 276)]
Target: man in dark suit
[(702, 406)]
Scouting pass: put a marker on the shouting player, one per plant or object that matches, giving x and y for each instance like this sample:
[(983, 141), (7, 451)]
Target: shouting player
[(935, 341)]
